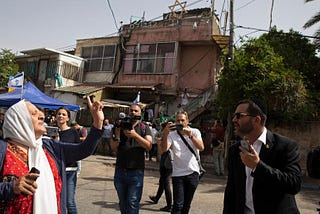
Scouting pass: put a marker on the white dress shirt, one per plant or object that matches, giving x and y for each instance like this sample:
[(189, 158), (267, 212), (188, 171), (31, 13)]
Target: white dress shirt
[(249, 209)]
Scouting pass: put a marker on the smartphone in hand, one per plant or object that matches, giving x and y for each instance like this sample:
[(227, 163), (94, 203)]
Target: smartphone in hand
[(34, 170), (245, 145)]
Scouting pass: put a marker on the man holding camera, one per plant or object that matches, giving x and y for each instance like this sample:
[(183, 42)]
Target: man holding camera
[(185, 168), (133, 138)]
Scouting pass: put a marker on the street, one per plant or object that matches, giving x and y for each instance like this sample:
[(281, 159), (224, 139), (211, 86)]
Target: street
[(96, 194)]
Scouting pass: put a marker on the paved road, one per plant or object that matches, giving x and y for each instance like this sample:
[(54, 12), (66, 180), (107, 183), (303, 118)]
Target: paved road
[(96, 194)]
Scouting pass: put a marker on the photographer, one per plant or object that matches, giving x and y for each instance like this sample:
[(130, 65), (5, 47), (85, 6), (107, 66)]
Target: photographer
[(133, 138), (185, 168)]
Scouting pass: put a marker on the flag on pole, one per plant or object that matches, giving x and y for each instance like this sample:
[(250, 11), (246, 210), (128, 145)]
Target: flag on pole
[(137, 100), (16, 81)]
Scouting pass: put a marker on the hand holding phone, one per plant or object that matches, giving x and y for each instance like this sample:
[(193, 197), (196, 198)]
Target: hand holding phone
[(245, 145), (34, 170)]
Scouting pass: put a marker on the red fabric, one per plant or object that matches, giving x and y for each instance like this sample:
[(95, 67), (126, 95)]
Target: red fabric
[(15, 163)]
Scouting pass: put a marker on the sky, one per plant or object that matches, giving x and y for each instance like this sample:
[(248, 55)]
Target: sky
[(57, 24)]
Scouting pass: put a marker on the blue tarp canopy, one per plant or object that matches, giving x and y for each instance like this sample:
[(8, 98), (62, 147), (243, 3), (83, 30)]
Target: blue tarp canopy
[(35, 96)]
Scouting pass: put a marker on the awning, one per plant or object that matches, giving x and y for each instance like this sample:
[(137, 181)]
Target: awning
[(82, 89)]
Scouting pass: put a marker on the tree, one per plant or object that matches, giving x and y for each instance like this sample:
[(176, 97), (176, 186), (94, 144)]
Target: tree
[(8, 67), (298, 54), (312, 21), (258, 72)]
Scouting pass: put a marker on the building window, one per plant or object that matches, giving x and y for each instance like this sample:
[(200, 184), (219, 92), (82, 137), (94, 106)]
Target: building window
[(150, 58), (99, 58)]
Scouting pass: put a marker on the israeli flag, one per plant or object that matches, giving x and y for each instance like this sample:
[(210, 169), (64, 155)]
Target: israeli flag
[(137, 100), (16, 81)]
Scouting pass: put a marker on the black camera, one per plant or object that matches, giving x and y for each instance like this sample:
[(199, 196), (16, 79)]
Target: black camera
[(126, 121), (178, 127), (167, 120)]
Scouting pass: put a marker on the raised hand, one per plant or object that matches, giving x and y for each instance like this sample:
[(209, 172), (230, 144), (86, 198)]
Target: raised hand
[(96, 112)]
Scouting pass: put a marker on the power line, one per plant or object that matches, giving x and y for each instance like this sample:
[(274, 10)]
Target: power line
[(114, 18), (245, 5), (115, 22), (263, 30)]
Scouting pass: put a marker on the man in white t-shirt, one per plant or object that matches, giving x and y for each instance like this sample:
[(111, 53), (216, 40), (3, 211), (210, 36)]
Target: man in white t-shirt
[(185, 168)]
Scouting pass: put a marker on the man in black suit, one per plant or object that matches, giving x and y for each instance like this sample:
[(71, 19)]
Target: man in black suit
[(264, 177)]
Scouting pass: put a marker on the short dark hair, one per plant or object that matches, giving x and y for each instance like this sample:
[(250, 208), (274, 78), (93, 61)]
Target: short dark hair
[(254, 109), (66, 109)]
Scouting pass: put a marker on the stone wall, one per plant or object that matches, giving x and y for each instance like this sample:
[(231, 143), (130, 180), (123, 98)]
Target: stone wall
[(307, 134)]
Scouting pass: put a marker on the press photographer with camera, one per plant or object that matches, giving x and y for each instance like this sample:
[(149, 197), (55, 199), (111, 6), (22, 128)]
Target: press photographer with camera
[(185, 167), (133, 138)]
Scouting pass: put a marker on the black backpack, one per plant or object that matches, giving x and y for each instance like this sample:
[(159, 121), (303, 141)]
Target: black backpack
[(313, 163)]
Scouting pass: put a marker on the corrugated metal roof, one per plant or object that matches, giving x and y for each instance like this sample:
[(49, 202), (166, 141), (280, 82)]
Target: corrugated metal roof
[(45, 51), (80, 89), (221, 40)]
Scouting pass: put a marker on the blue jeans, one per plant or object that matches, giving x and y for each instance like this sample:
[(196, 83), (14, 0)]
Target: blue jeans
[(71, 189), (129, 185), (184, 188)]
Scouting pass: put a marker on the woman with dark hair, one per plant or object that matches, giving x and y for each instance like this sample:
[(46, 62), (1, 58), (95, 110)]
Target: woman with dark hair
[(68, 135)]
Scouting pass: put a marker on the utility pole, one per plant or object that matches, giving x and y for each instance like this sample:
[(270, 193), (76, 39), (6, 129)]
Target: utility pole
[(212, 8), (231, 38), (271, 14), (229, 130)]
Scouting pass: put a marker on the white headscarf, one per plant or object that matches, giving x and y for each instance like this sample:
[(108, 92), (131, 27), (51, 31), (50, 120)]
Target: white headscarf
[(18, 127)]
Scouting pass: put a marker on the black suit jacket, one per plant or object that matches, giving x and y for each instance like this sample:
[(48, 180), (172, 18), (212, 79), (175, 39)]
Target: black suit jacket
[(277, 178)]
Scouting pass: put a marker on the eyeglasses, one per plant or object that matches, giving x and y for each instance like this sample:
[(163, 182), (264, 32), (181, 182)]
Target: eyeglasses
[(238, 115)]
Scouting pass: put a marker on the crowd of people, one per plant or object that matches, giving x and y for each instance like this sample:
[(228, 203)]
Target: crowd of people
[(262, 166)]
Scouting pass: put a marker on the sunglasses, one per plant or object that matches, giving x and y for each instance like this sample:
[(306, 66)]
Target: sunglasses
[(239, 115), (181, 112)]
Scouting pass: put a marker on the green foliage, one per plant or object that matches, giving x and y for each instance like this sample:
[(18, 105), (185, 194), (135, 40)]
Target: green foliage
[(298, 54), (8, 67), (258, 72)]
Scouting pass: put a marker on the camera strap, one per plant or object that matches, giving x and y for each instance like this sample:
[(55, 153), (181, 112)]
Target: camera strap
[(189, 147)]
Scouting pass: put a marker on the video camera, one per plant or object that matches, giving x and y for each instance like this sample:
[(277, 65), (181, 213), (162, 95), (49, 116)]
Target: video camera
[(126, 121)]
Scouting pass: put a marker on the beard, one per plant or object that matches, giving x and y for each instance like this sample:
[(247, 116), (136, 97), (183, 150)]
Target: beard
[(243, 129)]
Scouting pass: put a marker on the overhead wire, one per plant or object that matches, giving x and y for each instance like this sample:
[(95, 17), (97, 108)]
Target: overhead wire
[(115, 22), (112, 13), (250, 2)]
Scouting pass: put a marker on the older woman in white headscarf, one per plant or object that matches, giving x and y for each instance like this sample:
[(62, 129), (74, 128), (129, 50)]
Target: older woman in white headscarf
[(24, 148)]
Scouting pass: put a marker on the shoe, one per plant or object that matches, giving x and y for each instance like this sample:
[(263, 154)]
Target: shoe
[(166, 209), (153, 199)]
